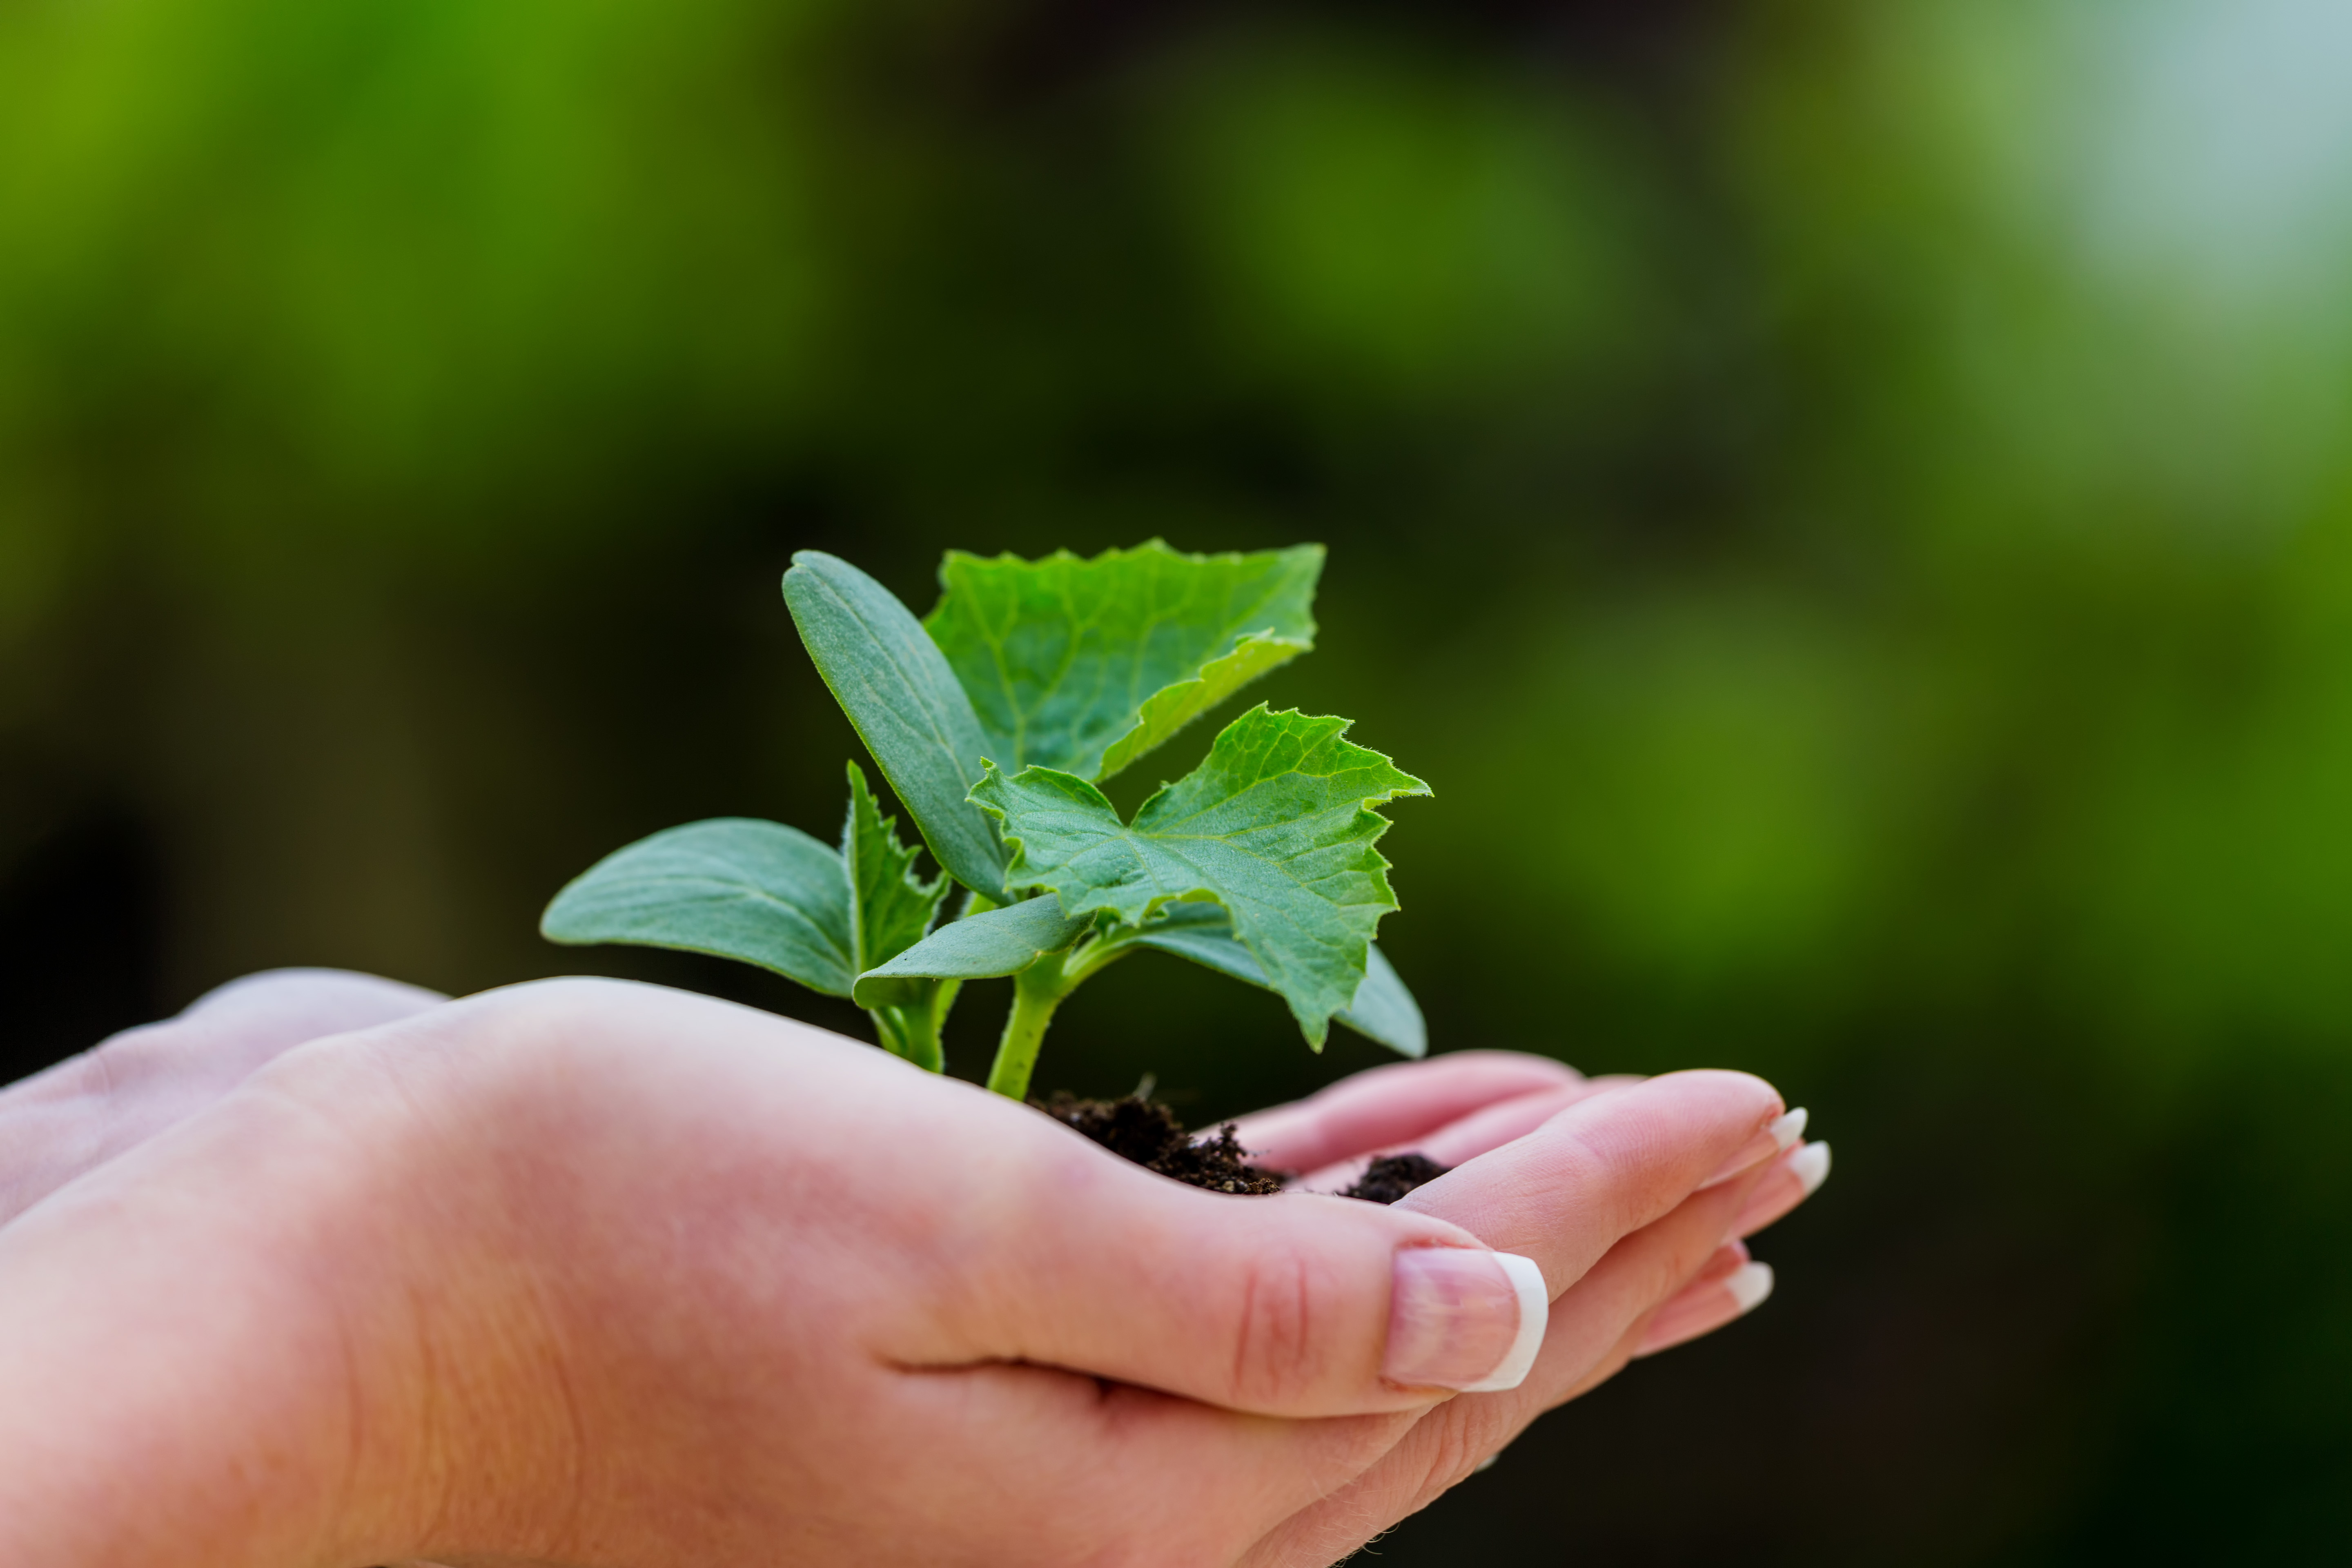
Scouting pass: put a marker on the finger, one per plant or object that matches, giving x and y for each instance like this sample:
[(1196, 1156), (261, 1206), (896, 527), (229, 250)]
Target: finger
[(85, 1111), (1720, 1264), (1638, 1275), (1603, 1168), (156, 1074), (1387, 1105), (286, 1007), (1599, 1323), (1481, 1131), (1787, 1182), (1716, 1296), (1595, 1328)]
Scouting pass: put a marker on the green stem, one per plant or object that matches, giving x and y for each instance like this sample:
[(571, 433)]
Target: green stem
[(912, 1033), (1036, 992)]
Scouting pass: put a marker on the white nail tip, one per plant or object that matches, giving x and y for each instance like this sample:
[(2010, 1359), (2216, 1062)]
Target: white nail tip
[(1535, 1315), (1750, 1284), (1811, 1166), (1788, 1129)]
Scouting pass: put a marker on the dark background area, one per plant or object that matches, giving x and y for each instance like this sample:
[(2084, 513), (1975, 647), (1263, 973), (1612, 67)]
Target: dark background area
[(1846, 504)]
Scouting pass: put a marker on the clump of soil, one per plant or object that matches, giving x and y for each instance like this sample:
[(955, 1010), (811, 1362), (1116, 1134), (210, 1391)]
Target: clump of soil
[(1148, 1133), (1391, 1176)]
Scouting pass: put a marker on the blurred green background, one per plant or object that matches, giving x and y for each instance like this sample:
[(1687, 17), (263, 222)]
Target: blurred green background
[(1846, 501)]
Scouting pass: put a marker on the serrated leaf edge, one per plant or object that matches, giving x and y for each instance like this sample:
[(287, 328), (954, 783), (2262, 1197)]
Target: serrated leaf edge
[(1263, 637), (1316, 1031), (861, 792)]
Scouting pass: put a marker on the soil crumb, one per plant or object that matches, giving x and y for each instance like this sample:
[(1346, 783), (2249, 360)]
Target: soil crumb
[(1391, 1176), (1148, 1133)]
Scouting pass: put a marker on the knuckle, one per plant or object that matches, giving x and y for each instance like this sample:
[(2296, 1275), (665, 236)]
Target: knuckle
[(1456, 1444), (1279, 1355)]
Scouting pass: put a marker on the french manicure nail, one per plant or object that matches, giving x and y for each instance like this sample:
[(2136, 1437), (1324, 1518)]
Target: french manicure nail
[(1750, 1284), (1464, 1319), (1811, 1166), (1778, 1137)]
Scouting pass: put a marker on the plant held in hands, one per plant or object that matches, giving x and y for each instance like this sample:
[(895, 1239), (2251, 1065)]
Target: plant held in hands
[(995, 719)]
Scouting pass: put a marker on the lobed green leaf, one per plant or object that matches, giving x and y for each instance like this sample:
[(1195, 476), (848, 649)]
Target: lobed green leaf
[(906, 704), (732, 886), (1085, 665), (1276, 824)]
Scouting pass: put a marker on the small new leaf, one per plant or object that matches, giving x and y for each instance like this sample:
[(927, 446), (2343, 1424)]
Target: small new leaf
[(1383, 1011), (1084, 666), (999, 942), (1276, 826), (906, 705), (756, 891), (889, 908)]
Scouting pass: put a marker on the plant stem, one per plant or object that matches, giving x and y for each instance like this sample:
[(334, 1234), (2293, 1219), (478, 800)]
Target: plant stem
[(1036, 992), (912, 1033)]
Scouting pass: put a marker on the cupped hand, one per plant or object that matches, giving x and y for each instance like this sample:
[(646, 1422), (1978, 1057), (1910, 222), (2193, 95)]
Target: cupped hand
[(585, 1272)]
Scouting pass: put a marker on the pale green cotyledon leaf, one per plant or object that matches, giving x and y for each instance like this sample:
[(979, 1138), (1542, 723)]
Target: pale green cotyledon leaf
[(1084, 666), (999, 942), (906, 705), (889, 908), (1383, 1011), (732, 886), (1276, 824)]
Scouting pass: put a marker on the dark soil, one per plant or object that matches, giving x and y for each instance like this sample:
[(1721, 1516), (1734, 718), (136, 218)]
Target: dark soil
[(1391, 1176), (1148, 1133)]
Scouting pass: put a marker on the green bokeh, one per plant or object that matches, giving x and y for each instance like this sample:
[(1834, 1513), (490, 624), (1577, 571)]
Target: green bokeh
[(1844, 503)]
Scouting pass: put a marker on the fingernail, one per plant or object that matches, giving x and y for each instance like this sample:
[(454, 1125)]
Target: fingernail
[(1778, 1137), (1811, 1166), (1464, 1319), (1750, 1284)]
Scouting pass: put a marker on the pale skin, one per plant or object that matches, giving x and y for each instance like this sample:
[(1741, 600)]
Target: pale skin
[(329, 1272)]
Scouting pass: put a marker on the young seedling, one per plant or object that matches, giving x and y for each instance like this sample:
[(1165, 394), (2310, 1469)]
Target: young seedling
[(995, 720)]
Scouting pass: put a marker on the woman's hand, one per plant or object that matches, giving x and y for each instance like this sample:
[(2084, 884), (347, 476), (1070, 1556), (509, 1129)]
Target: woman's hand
[(590, 1272)]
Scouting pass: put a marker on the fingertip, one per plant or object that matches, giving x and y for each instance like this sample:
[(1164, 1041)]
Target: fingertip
[(1811, 1166)]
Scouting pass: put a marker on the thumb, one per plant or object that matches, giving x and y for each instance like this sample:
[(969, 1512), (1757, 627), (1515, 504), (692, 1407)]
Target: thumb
[(1302, 1304), (1294, 1305)]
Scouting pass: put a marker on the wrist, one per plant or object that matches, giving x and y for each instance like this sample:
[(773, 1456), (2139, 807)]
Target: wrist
[(233, 1345)]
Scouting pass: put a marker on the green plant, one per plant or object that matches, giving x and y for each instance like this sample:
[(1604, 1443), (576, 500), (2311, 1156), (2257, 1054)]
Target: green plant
[(994, 721)]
